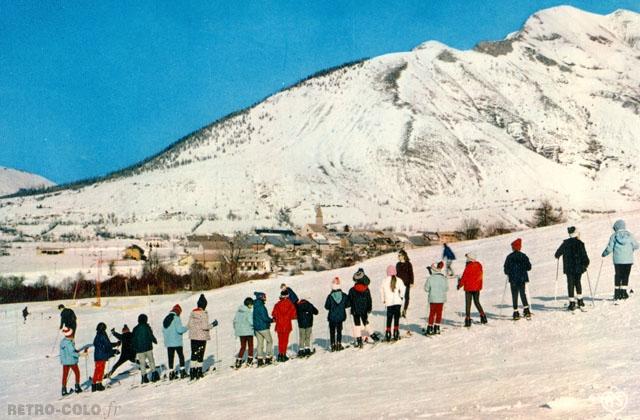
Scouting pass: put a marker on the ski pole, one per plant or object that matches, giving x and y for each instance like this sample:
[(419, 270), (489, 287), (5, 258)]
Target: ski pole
[(504, 292), (590, 290), (598, 279), (555, 295), (217, 349)]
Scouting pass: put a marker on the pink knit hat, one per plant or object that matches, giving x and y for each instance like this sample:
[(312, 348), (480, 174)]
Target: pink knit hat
[(391, 271), (335, 283)]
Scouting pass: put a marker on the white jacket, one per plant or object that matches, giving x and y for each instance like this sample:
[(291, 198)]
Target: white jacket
[(390, 298)]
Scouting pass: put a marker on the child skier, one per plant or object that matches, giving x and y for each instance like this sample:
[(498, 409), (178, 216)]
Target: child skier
[(283, 313), (516, 267), (574, 262), (337, 303), (292, 295), (69, 360), (404, 270), (436, 287), (305, 312), (448, 257), (243, 328), (392, 292), (471, 280), (361, 306), (199, 327), (143, 341), (126, 349), (104, 350), (261, 326), (172, 332), (622, 244)]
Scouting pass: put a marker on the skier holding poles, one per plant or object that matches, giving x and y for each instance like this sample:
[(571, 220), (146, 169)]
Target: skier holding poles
[(574, 262), (516, 267), (622, 244)]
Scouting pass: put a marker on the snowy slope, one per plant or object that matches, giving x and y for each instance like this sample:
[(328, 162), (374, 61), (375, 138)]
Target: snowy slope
[(558, 365), (11, 180), (418, 139)]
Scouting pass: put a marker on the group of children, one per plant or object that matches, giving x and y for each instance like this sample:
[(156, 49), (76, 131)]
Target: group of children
[(253, 320)]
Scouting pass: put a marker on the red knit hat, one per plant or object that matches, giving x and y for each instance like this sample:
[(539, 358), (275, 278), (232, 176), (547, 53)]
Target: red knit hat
[(177, 309), (516, 245)]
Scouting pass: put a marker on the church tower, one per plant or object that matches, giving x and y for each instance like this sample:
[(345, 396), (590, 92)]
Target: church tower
[(319, 219)]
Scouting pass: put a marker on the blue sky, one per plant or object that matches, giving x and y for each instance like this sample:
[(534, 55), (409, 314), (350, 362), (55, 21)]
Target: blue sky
[(87, 88)]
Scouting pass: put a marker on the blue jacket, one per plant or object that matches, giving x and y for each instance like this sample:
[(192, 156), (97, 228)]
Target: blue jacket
[(172, 330), (103, 348), (622, 244), (516, 267), (436, 287), (447, 253), (337, 303), (243, 322), (68, 354), (292, 296), (261, 318)]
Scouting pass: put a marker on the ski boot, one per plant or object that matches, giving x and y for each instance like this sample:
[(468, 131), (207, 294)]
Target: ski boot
[(173, 375), (249, 361), (65, 392), (429, 330), (100, 387), (467, 322), (387, 335), (145, 379), (396, 335), (359, 342), (483, 318), (616, 294), (77, 389), (436, 329), (308, 352), (516, 315), (301, 353), (192, 374), (155, 376), (580, 303), (93, 387), (268, 360), (260, 362), (625, 295), (527, 312), (285, 358), (199, 372), (572, 306), (183, 373), (238, 363)]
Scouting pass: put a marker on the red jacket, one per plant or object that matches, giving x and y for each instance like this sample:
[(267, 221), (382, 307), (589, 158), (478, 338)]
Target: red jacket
[(471, 278), (283, 313)]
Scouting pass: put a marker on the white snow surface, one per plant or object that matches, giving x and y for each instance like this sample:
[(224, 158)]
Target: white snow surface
[(414, 140), (11, 180), (558, 365)]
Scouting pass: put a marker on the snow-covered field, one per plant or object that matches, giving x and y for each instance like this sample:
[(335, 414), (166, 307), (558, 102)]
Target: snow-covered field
[(558, 365)]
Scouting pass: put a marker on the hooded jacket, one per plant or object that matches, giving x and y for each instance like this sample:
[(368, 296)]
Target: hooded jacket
[(472, 277), (143, 338), (103, 348), (622, 244), (574, 256), (261, 319), (68, 354), (516, 267), (337, 303), (243, 322), (172, 330), (436, 287), (306, 311), (360, 299), (199, 325), (126, 345), (392, 297), (283, 313)]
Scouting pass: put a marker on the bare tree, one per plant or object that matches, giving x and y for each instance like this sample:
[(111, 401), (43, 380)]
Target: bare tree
[(471, 228), (546, 215)]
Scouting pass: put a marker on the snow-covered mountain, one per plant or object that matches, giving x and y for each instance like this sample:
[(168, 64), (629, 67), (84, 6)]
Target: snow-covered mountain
[(12, 180), (423, 139)]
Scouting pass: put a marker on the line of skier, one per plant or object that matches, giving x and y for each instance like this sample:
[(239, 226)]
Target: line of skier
[(253, 320)]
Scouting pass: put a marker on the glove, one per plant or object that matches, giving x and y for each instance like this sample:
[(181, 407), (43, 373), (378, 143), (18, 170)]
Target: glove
[(116, 351), (214, 323), (604, 254), (118, 344)]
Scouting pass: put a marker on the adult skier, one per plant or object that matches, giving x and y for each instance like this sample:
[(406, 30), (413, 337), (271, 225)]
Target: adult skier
[(436, 287), (361, 306), (404, 270), (25, 314), (243, 329), (471, 281), (305, 311), (284, 312), (67, 318), (172, 332), (574, 262), (336, 304), (448, 257), (622, 244), (262, 329), (516, 267), (199, 328), (392, 292)]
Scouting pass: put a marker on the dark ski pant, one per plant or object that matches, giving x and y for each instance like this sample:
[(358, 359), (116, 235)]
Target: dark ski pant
[(519, 289), (393, 316), (123, 358), (622, 274), (246, 342), (335, 332), (197, 352), (574, 285), (171, 351), (65, 374), (407, 296), (475, 296), (361, 320)]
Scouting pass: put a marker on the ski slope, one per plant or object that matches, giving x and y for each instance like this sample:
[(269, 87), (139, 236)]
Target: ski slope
[(558, 365)]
